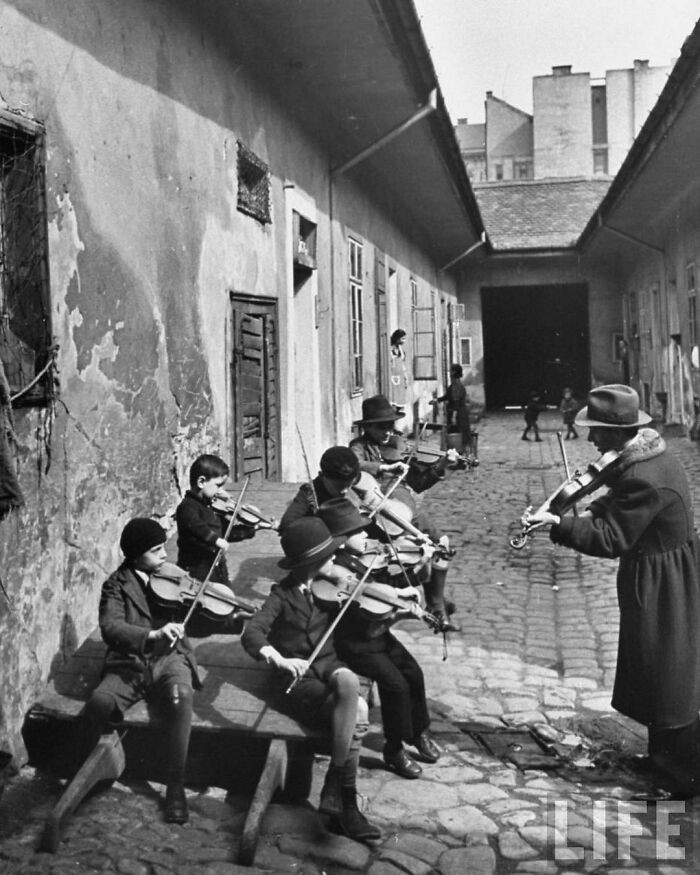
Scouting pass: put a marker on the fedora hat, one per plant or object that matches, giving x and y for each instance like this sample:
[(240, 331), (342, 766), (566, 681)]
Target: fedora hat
[(378, 409), (307, 541), (342, 517), (612, 406)]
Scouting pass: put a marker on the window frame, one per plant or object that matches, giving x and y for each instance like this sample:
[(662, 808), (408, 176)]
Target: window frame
[(420, 333), (355, 288), (691, 294)]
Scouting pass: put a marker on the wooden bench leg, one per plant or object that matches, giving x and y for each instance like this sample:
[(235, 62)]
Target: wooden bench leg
[(273, 777), (105, 763)]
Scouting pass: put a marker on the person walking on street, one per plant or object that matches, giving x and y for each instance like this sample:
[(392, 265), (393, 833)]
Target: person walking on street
[(568, 407), (533, 408), (646, 521)]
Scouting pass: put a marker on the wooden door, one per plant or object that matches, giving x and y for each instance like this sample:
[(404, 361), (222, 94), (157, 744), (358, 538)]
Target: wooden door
[(254, 384)]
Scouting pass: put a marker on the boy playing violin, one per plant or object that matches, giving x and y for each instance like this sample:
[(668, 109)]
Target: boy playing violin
[(285, 632), (376, 451), (200, 528), (148, 656), (370, 649)]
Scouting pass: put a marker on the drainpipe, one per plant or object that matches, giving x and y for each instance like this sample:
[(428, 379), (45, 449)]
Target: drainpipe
[(480, 242), (424, 110)]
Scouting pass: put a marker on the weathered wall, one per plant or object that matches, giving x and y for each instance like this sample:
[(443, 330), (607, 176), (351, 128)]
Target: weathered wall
[(143, 105), (562, 125), (509, 137)]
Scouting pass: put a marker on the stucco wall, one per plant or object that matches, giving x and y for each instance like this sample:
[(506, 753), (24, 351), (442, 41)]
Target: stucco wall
[(143, 105), (563, 137)]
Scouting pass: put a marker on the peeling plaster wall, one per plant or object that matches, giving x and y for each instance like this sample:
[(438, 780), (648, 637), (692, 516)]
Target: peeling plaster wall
[(143, 105)]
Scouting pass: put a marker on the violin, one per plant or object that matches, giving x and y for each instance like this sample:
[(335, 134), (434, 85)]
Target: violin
[(246, 515), (378, 600), (571, 491), (172, 585), (395, 516), (427, 467)]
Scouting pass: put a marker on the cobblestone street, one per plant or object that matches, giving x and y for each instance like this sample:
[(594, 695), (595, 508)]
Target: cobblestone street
[(537, 648)]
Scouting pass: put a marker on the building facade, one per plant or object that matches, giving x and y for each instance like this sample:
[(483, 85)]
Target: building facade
[(210, 230)]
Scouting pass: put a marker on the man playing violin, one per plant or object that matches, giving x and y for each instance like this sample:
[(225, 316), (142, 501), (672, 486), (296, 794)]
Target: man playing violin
[(378, 452), (364, 641), (200, 528), (285, 632), (646, 520)]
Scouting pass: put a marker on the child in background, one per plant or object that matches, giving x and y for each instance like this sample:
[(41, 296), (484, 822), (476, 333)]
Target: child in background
[(200, 529), (532, 413), (457, 406), (568, 407)]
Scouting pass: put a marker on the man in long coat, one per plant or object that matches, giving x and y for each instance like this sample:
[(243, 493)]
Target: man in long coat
[(646, 520)]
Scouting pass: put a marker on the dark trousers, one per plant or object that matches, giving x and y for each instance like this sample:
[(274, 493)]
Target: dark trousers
[(169, 688), (400, 683)]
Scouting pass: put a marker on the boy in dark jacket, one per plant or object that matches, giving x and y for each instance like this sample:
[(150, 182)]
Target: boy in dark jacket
[(200, 528), (532, 409), (285, 632), (148, 656)]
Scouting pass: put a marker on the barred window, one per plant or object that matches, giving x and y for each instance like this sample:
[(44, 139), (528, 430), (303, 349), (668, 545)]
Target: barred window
[(356, 318), (253, 185), (25, 329)]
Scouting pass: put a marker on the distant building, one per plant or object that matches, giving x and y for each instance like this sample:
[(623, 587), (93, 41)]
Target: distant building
[(579, 126)]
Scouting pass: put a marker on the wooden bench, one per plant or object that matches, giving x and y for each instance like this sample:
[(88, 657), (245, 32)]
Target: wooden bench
[(238, 738)]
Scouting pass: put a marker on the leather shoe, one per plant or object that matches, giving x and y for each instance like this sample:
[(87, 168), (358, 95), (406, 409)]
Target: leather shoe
[(176, 804), (426, 747), (352, 823), (447, 624), (401, 763), (331, 801)]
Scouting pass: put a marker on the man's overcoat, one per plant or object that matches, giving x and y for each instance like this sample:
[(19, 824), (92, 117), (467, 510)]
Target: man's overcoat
[(646, 521)]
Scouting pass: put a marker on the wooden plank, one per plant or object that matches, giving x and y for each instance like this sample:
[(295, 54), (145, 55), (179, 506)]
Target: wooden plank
[(273, 777)]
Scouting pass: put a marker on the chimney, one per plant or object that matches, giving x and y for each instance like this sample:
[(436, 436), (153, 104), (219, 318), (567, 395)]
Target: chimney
[(562, 70), (641, 65), (462, 121)]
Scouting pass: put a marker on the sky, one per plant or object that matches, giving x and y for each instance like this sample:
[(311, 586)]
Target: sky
[(499, 45)]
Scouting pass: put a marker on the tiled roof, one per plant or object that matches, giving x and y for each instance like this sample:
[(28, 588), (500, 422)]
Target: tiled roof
[(471, 136), (538, 214)]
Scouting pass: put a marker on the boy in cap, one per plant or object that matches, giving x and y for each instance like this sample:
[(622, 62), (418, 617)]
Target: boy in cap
[(646, 520), (284, 632), (148, 656), (378, 452), (340, 470)]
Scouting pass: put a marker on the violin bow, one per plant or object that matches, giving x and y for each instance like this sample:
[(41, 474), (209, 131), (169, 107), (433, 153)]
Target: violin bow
[(567, 470), (329, 631), (200, 592), (308, 469)]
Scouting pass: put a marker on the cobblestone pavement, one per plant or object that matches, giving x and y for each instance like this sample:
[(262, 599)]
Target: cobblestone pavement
[(537, 649)]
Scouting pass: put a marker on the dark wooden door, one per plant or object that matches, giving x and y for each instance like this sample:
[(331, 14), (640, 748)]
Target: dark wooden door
[(254, 379)]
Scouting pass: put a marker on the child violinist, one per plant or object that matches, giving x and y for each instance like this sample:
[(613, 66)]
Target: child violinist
[(285, 632), (148, 656), (200, 528), (369, 648)]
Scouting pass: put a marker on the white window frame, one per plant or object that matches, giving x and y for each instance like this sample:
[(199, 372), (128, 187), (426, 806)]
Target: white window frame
[(355, 260)]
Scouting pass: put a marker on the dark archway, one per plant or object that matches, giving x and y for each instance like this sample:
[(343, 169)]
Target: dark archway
[(535, 339)]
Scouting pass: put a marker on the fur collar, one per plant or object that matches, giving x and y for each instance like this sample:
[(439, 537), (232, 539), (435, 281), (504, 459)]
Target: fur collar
[(646, 444)]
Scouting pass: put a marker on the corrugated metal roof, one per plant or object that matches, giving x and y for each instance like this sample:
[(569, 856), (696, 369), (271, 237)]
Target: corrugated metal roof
[(538, 214)]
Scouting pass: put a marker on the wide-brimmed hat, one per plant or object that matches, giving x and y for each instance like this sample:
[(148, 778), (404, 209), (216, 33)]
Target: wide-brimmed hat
[(612, 406), (307, 541), (342, 517), (378, 409), (340, 463)]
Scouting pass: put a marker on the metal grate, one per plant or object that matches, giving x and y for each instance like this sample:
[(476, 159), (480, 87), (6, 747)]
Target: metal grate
[(253, 185), (24, 312), (522, 747)]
